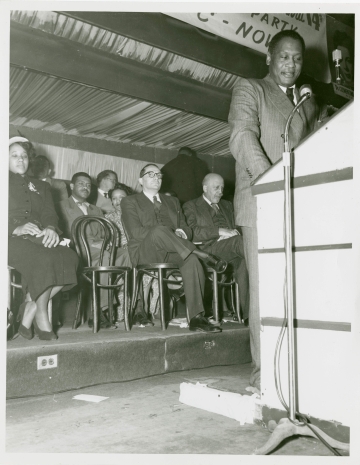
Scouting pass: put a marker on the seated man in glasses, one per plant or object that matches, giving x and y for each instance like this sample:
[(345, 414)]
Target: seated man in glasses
[(158, 233)]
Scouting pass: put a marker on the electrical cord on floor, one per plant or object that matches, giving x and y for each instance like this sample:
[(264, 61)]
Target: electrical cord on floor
[(305, 421)]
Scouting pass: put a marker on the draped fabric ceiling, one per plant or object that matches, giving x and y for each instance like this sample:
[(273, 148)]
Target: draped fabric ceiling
[(46, 102)]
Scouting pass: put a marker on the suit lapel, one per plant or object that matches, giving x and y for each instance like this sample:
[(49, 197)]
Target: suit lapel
[(74, 210), (144, 202), (204, 208), (283, 104), (147, 207), (166, 200)]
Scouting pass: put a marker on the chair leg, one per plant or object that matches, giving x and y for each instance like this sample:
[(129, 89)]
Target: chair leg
[(215, 296), (95, 305), (161, 298), (78, 308), (10, 304), (237, 302), (136, 287), (134, 294), (111, 300), (126, 306)]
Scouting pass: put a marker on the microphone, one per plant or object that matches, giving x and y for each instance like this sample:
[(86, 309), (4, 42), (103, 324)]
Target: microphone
[(306, 88), (305, 94), (337, 57)]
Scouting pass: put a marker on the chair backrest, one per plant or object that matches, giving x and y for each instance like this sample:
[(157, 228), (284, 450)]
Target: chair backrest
[(79, 231)]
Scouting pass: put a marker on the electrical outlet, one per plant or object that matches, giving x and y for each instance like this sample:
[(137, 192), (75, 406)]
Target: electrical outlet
[(48, 361)]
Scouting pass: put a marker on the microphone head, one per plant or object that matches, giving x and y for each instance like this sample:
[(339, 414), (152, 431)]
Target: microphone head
[(305, 89)]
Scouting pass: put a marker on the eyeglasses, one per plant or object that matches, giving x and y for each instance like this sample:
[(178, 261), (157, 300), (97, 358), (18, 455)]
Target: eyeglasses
[(152, 174)]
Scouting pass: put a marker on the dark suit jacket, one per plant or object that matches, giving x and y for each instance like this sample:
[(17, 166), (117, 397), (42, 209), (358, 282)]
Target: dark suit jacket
[(199, 218), (258, 113), (69, 211), (26, 206), (138, 217)]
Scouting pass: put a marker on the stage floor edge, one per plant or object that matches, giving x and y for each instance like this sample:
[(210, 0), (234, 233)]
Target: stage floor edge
[(114, 355)]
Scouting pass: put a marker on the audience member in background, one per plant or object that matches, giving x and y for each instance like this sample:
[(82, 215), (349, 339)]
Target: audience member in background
[(106, 180), (158, 233), (74, 207), (184, 174), (116, 195), (41, 169), (34, 249), (212, 222)]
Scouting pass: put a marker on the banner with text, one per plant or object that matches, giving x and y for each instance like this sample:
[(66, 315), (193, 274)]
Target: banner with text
[(255, 30)]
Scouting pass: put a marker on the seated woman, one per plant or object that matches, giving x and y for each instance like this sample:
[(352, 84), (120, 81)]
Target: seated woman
[(116, 195), (33, 243)]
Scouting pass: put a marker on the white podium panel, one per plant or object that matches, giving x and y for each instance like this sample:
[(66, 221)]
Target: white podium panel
[(323, 215), (323, 373), (324, 270)]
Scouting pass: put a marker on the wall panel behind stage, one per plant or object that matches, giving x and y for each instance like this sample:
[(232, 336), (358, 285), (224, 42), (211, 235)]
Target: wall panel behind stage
[(67, 161)]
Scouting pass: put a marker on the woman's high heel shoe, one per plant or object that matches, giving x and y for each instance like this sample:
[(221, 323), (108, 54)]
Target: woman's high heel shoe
[(44, 335), (25, 332)]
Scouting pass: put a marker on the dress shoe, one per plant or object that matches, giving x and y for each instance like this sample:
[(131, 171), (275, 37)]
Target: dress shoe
[(212, 261), (200, 323), (44, 335), (212, 321), (140, 319)]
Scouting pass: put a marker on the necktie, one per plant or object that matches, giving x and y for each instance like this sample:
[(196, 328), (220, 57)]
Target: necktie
[(106, 195), (290, 94), (157, 204), (215, 207)]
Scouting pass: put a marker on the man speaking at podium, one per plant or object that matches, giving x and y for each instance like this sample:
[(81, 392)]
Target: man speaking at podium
[(258, 113)]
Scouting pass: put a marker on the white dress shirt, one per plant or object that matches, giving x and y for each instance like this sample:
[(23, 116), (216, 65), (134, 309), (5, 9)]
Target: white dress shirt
[(83, 207), (103, 193), (294, 93), (151, 197)]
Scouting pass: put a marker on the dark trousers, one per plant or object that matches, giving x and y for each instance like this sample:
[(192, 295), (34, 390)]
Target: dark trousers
[(232, 250), (161, 245)]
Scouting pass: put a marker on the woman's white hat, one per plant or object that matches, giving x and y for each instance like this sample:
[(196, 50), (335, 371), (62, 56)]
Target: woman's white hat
[(13, 140)]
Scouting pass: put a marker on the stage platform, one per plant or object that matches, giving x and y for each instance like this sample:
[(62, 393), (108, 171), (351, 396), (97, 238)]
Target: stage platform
[(113, 355)]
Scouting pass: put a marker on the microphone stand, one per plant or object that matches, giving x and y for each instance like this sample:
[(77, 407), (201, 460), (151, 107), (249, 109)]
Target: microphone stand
[(291, 426), (289, 261)]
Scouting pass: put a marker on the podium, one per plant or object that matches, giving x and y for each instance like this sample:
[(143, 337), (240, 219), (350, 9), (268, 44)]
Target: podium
[(324, 276)]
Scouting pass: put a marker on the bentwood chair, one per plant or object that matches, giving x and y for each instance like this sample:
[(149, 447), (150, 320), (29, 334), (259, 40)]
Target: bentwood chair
[(157, 271), (118, 276)]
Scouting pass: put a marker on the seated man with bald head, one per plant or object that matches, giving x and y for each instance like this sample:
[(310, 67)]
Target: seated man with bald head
[(212, 222)]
